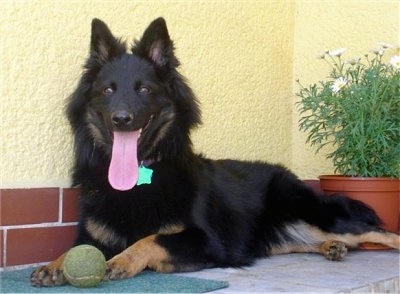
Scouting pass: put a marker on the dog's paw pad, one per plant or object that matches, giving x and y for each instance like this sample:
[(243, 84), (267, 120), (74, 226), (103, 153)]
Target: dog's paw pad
[(334, 250), (117, 269)]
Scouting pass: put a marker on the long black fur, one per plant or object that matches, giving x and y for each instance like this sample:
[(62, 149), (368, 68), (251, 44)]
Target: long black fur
[(232, 211)]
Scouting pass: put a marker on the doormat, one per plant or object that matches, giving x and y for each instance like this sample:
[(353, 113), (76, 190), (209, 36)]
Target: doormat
[(146, 282)]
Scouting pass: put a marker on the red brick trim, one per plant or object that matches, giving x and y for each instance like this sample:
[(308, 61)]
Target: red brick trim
[(34, 245), (29, 206), (36, 225), (39, 224)]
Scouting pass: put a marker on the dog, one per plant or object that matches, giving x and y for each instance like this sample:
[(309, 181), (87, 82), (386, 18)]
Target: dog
[(149, 202)]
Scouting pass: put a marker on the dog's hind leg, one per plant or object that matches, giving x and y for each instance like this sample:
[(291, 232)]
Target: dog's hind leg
[(317, 223), (302, 237)]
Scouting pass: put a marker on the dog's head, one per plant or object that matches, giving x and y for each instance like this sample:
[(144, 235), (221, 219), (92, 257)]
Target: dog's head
[(132, 106)]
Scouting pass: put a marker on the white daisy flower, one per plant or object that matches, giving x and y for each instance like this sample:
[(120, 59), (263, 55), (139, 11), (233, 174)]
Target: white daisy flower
[(395, 61), (336, 52), (353, 61), (385, 45), (338, 84), (378, 51)]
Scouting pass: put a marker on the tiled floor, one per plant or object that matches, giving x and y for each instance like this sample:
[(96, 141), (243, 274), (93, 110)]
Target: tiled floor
[(374, 271)]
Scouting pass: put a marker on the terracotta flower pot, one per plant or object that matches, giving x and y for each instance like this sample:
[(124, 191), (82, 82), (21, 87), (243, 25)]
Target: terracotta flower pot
[(382, 194)]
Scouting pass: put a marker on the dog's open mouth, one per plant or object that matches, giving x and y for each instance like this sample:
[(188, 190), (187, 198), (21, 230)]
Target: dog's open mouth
[(124, 165)]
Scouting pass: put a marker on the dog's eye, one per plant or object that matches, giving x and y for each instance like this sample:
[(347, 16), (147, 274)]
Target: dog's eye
[(144, 90), (108, 90)]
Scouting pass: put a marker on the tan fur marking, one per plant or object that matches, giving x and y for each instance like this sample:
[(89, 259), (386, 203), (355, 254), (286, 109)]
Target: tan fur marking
[(307, 238), (104, 234), (385, 238), (163, 130), (144, 253), (94, 131), (171, 229), (288, 248), (351, 240)]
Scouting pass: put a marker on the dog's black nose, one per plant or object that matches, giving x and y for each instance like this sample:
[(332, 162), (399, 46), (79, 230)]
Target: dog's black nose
[(121, 118)]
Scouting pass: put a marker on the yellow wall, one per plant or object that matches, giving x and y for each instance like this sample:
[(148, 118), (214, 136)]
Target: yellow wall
[(237, 57), (241, 58)]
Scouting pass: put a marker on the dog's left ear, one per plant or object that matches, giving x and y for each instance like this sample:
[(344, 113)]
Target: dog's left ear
[(156, 45)]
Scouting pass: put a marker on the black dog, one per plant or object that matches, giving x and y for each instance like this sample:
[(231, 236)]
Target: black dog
[(147, 201)]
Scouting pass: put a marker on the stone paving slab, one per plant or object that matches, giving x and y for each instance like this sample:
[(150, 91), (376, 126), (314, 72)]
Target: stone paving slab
[(374, 271)]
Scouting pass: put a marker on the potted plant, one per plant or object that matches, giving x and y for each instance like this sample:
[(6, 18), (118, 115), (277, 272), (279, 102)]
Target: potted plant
[(356, 112)]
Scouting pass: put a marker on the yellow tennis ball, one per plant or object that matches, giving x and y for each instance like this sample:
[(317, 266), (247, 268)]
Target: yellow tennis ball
[(84, 266)]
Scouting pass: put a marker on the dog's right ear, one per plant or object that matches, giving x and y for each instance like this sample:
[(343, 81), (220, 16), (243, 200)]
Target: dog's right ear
[(103, 45)]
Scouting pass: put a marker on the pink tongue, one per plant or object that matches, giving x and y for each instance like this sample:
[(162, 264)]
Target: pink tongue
[(123, 171)]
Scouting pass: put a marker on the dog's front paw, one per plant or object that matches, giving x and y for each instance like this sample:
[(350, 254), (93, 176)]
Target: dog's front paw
[(47, 276), (119, 267), (334, 250)]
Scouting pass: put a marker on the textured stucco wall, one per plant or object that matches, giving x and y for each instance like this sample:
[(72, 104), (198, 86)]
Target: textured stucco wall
[(241, 58), (321, 25), (236, 55)]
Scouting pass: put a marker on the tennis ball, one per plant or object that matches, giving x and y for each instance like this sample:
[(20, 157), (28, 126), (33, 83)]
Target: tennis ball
[(84, 266)]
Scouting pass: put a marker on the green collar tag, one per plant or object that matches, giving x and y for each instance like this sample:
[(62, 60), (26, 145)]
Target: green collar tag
[(145, 175)]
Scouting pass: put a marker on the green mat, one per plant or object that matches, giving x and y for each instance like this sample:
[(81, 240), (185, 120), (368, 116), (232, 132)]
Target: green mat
[(146, 282)]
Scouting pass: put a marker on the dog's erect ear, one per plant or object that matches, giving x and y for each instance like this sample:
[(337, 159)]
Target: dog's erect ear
[(103, 45), (155, 45)]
